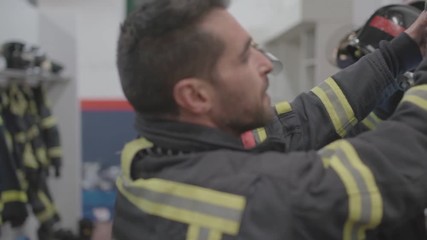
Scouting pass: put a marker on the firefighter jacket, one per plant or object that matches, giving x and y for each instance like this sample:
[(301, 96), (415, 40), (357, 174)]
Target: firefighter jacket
[(184, 181)]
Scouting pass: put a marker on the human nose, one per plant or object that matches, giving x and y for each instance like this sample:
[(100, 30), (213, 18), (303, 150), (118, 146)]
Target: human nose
[(271, 64)]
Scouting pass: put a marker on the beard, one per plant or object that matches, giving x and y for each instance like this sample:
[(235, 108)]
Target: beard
[(237, 116)]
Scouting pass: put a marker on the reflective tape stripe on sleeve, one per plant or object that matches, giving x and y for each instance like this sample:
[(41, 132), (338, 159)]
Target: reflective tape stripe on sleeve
[(417, 95), (48, 122), (365, 201), (371, 121), (337, 106), (199, 233), (282, 108), (14, 196)]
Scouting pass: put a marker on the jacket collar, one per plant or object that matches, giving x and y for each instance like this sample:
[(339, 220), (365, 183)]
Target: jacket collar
[(184, 136)]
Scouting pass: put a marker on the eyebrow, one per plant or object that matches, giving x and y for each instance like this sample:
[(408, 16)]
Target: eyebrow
[(246, 48)]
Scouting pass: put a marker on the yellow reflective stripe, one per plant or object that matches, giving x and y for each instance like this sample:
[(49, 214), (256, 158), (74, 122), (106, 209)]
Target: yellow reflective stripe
[(261, 134), (41, 156), (215, 235), (365, 201), (48, 122), (49, 211), (337, 106), (9, 141), (1, 210), (371, 121), (54, 152), (417, 95), (176, 208), (283, 107), (14, 196), (129, 152), (193, 232), (418, 101), (22, 179), (33, 132), (21, 137), (1, 121), (29, 159), (201, 194)]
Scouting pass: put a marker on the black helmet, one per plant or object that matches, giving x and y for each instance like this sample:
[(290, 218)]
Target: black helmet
[(346, 53), (420, 5), (385, 24)]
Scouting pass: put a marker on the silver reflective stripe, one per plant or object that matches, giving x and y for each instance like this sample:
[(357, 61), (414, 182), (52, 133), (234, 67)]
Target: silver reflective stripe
[(203, 234), (419, 93), (187, 204), (335, 101)]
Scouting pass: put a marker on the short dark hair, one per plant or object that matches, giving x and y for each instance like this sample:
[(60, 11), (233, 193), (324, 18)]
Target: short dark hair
[(159, 44)]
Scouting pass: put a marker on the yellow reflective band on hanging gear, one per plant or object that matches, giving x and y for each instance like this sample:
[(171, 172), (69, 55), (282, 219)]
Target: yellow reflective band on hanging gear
[(54, 152), (365, 200), (49, 211), (14, 196), (417, 96), (29, 159), (371, 121), (21, 137), (33, 132), (129, 152), (41, 156), (337, 106), (48, 122), (282, 108), (9, 140), (18, 103)]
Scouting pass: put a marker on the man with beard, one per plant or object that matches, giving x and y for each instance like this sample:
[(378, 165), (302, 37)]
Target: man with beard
[(198, 81)]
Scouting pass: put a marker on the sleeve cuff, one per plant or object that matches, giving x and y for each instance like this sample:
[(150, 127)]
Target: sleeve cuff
[(407, 51)]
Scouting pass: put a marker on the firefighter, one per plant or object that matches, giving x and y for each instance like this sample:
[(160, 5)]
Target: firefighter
[(13, 195), (198, 81)]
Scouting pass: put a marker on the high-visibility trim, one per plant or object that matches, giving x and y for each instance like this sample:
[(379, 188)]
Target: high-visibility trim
[(215, 235), (48, 122), (54, 152), (337, 106), (371, 121), (18, 103), (129, 152), (365, 200), (33, 132), (193, 232), (29, 159), (1, 210), (49, 211), (185, 209), (22, 180), (1, 121), (416, 95), (260, 135), (41, 156), (420, 102), (21, 137), (14, 196), (282, 108), (8, 138)]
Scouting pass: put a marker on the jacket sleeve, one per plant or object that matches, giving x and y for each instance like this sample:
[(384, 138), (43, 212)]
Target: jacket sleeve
[(378, 178), (330, 110)]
